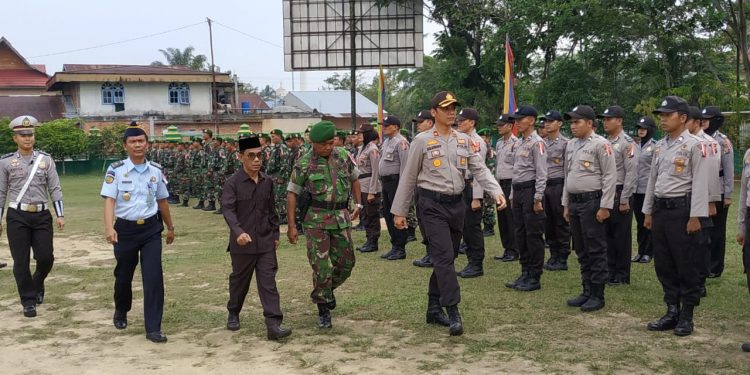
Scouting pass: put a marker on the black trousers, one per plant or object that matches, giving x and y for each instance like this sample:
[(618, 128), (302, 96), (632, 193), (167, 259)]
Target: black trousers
[(619, 228), (505, 223), (719, 238), (472, 233), (529, 227), (372, 216), (590, 239), (643, 235), (144, 241), (27, 231), (443, 223), (556, 229), (265, 266), (398, 236), (677, 256), (704, 243)]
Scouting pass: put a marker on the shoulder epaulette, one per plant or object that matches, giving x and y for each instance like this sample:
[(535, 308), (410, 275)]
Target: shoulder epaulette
[(7, 155), (155, 164), (43, 153), (117, 164), (628, 138)]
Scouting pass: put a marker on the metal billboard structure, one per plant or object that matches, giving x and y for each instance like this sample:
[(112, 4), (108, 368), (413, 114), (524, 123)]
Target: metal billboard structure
[(352, 34)]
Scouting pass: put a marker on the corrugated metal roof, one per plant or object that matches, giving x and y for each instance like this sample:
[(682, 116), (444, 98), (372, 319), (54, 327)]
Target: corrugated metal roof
[(335, 103), (44, 108), (256, 102), (22, 78), (131, 69)]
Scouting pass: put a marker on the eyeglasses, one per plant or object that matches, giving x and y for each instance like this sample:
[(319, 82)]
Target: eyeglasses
[(253, 155)]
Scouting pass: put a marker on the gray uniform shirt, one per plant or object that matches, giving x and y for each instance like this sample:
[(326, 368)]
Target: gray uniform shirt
[(713, 165), (367, 162), (393, 158), (14, 171), (505, 150), (626, 161), (678, 169), (478, 146), (744, 199), (645, 155), (556, 156), (531, 164), (441, 165), (590, 166), (727, 164)]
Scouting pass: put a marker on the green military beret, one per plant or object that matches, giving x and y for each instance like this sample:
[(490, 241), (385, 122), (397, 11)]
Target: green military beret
[(265, 135), (322, 131), (484, 131), (404, 132), (277, 132), (341, 134)]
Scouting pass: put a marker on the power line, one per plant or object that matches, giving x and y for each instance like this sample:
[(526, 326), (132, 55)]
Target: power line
[(246, 34), (119, 42)]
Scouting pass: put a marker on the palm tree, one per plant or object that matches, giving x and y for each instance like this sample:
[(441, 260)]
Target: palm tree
[(185, 57)]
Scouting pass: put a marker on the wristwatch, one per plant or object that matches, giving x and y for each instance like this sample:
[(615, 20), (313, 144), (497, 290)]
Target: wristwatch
[(360, 206)]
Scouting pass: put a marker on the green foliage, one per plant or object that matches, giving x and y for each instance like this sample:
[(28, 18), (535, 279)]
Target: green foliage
[(61, 138), (6, 137), (112, 140), (185, 57)]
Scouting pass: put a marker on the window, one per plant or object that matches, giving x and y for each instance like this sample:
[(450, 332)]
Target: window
[(113, 93), (179, 93)]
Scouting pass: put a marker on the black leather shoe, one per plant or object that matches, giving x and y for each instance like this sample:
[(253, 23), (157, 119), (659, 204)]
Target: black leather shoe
[(324, 317), (529, 284), (614, 281), (514, 284), (596, 299), (426, 261), (157, 337), (397, 254), (199, 206), (456, 327), (470, 271), (560, 265), (369, 246), (233, 322), (685, 323), (435, 313), (386, 255), (120, 320), (551, 262), (509, 257), (636, 258), (276, 332), (645, 259), (666, 322), (581, 298), (29, 311), (746, 347), (40, 298)]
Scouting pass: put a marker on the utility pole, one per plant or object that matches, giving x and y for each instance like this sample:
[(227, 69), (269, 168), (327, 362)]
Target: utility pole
[(213, 78), (353, 34)]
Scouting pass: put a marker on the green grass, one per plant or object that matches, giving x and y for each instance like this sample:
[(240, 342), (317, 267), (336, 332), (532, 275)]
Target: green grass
[(380, 314)]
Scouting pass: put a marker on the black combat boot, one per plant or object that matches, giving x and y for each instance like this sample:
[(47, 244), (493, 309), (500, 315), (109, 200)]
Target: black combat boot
[(551, 262), (397, 254), (388, 254), (596, 300), (519, 280), (583, 297), (218, 210), (531, 283), (276, 332), (560, 265), (435, 313), (211, 206), (425, 261), (471, 270), (200, 205), (370, 246), (324, 316), (457, 326), (488, 232), (233, 321), (184, 203), (685, 323), (666, 322), (411, 234)]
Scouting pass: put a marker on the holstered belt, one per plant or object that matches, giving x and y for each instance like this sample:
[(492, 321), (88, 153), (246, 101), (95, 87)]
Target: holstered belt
[(389, 178), (670, 203), (555, 181), (585, 197), (28, 207), (149, 220), (364, 175), (524, 185), (438, 197), (329, 205)]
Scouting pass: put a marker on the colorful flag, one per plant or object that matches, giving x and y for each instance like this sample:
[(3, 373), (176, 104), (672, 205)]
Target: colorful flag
[(509, 97), (381, 102)]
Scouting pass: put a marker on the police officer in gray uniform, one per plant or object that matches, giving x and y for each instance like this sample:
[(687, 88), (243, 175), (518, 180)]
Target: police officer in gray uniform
[(439, 161), (645, 129), (743, 221), (473, 198), (392, 162), (27, 179), (369, 180), (676, 199), (505, 150), (529, 183), (557, 230), (619, 226), (588, 197), (713, 120), (423, 122)]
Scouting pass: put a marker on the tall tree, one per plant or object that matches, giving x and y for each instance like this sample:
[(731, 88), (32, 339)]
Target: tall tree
[(185, 57)]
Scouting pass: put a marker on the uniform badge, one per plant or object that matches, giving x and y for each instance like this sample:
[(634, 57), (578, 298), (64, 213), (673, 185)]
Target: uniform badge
[(42, 165), (153, 178), (617, 146), (126, 196), (557, 160), (436, 163), (747, 160), (463, 162), (432, 142), (586, 164), (109, 179), (14, 163), (462, 141), (649, 148)]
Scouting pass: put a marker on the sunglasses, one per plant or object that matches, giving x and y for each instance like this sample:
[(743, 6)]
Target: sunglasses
[(253, 155)]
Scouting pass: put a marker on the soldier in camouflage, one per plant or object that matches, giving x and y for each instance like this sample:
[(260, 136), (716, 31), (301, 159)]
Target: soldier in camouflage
[(328, 222), (181, 173), (265, 144), (277, 168), (489, 210), (197, 171)]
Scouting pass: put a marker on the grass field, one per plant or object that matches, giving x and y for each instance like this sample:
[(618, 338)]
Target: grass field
[(378, 325)]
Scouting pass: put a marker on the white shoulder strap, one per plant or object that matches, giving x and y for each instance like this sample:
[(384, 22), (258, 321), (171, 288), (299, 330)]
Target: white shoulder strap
[(31, 176)]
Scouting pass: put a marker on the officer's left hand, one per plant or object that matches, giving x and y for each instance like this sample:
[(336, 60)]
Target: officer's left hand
[(693, 225), (60, 223), (399, 222), (370, 197), (170, 237), (624, 208), (501, 203), (538, 209), (476, 204), (711, 208), (727, 202), (602, 215), (741, 239)]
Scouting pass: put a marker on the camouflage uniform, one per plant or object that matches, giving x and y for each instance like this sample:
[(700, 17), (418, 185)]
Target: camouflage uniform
[(265, 155), (278, 169), (168, 162), (197, 171), (328, 231), (181, 175), (216, 166)]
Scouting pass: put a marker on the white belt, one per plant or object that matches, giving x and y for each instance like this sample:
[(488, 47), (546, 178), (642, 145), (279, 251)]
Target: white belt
[(28, 207)]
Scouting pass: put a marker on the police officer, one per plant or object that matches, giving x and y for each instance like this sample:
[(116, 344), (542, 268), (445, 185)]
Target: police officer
[(135, 212), (391, 166), (676, 199), (619, 226), (645, 129), (557, 230), (423, 122), (369, 181), (27, 179), (713, 120), (505, 149), (743, 221), (529, 183), (473, 198), (438, 163), (588, 197), (327, 222)]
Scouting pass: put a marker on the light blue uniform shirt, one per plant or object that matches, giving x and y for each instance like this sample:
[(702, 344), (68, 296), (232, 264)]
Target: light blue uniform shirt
[(135, 193)]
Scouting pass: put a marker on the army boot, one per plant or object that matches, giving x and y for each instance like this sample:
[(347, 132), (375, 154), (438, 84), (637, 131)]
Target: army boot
[(370, 246), (184, 203), (218, 210), (425, 261), (531, 283), (211, 206), (457, 326), (520, 279), (666, 322), (583, 297), (324, 316), (560, 265), (200, 205), (435, 313), (596, 300), (685, 323), (471, 270), (397, 254)]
